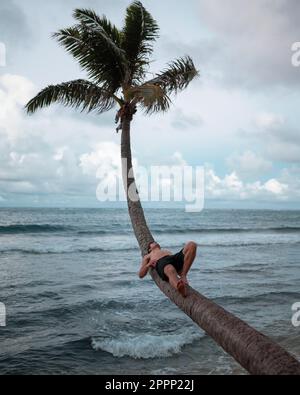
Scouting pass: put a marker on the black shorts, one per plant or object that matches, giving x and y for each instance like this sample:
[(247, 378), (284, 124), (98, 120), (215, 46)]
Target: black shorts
[(176, 261)]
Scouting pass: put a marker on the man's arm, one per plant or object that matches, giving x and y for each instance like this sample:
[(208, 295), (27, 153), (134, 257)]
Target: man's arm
[(145, 266)]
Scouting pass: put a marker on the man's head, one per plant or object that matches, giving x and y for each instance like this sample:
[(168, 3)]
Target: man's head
[(152, 246)]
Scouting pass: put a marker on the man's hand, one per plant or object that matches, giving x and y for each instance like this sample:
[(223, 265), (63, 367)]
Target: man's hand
[(146, 263), (152, 264)]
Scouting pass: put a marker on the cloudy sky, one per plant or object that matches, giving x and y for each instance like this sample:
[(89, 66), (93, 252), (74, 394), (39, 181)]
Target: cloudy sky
[(240, 119)]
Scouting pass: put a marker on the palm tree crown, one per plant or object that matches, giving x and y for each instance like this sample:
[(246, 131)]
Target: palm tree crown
[(116, 62)]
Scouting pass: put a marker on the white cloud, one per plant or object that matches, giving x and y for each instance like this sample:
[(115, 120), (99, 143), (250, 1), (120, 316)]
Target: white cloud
[(178, 159), (15, 91), (280, 140), (254, 40), (291, 176), (269, 121), (274, 186), (283, 151), (41, 154), (231, 187), (48, 154), (183, 121), (14, 27), (249, 164), (104, 158)]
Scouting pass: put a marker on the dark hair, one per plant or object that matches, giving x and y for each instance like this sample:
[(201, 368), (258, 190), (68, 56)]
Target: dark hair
[(151, 242)]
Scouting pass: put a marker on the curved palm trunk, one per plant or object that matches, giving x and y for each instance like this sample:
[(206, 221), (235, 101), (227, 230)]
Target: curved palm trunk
[(136, 211), (251, 349)]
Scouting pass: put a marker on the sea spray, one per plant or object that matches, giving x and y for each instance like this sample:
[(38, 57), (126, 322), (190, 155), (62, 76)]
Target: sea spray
[(2, 314), (146, 346)]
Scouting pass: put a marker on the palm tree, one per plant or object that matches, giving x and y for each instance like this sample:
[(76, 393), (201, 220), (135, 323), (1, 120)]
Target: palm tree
[(116, 62)]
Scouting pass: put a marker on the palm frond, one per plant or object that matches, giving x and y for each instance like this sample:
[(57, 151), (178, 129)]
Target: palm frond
[(79, 94), (177, 76), (139, 33), (106, 30), (151, 97), (96, 53)]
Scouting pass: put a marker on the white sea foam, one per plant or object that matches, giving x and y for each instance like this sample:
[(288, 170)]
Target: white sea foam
[(94, 247), (146, 346)]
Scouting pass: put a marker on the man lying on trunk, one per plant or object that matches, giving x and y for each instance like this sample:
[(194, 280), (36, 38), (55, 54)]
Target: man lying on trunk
[(171, 268)]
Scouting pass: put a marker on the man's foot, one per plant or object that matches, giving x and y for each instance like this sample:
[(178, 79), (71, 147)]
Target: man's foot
[(181, 288)]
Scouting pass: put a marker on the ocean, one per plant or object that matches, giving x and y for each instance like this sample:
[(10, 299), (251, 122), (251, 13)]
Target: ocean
[(68, 279)]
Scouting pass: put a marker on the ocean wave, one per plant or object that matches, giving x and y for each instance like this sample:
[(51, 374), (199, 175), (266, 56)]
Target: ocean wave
[(258, 298), (32, 228), (84, 250), (286, 229), (66, 311), (57, 251), (99, 232), (174, 230), (160, 230), (49, 251), (249, 243), (145, 346)]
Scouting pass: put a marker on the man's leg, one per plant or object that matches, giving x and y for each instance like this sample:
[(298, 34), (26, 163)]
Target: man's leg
[(189, 251), (175, 282)]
